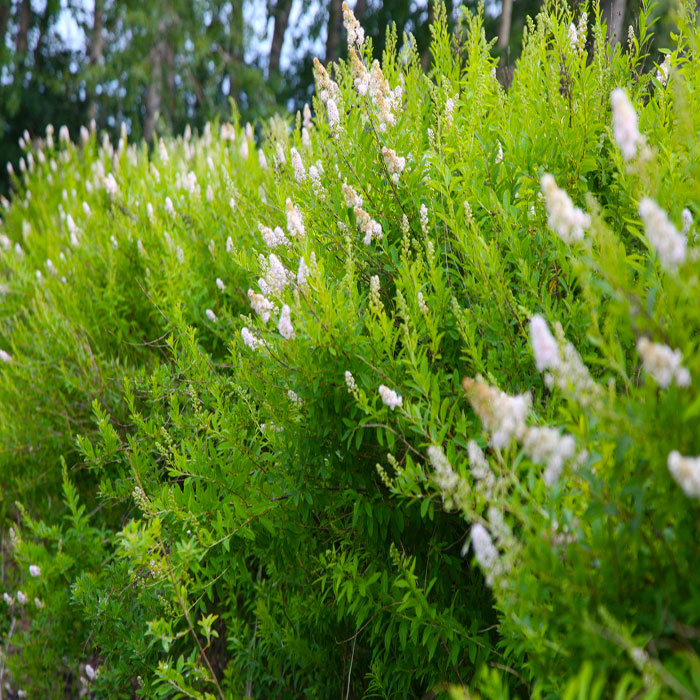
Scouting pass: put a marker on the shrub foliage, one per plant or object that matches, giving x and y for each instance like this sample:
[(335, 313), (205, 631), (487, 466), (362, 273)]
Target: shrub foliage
[(392, 401)]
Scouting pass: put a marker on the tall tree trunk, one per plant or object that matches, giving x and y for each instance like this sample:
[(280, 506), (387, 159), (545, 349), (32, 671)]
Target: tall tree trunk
[(361, 6), (23, 24), (614, 14), (95, 49), (4, 19), (281, 15), (335, 23), (154, 91), (504, 27)]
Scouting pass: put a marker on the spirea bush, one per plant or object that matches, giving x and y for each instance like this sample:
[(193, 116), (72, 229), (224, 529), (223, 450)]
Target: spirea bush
[(393, 398)]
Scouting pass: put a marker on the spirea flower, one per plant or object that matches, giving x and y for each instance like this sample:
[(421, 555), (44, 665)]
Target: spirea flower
[(8, 598), (220, 284), (316, 184), (449, 111), (273, 237), (5, 356), (34, 571), (499, 153), (110, 184), (670, 245), (352, 199), (573, 37), (210, 315), (566, 220), (356, 35), (686, 472), (424, 222), (501, 415), (563, 365), (295, 225), (22, 597), (545, 445), (276, 276), (284, 325), (687, 220), (625, 124), (89, 672), (663, 363), (544, 345), (394, 163), (229, 245), (262, 160), (244, 149), (333, 114), (485, 553), (371, 229), (298, 165), (664, 71), (451, 485), (389, 397), (350, 381), (149, 211), (479, 466), (249, 339), (303, 272), (294, 397), (169, 208), (422, 306)]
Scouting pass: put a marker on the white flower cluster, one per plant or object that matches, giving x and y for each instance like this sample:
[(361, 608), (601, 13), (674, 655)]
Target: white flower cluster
[(261, 305), (298, 165), (249, 339), (577, 34), (371, 229), (625, 124), (664, 71), (566, 220), (486, 553), (356, 35), (284, 325), (561, 362), (328, 93), (110, 185), (663, 363), (485, 479), (394, 163), (350, 381), (352, 199), (389, 397), (686, 472), (302, 272), (670, 245), (295, 225), (452, 486), (502, 415), (505, 418), (449, 111), (273, 238), (373, 83), (545, 445)]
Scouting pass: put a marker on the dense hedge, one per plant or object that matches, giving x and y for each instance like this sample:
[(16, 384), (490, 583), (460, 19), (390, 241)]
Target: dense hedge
[(443, 444)]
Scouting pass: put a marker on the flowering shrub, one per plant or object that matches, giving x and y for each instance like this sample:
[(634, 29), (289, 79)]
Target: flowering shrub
[(395, 399)]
